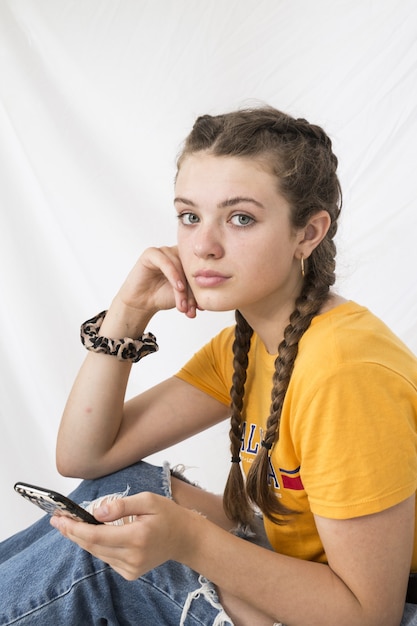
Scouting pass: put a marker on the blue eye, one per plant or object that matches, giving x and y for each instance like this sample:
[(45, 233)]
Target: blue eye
[(188, 218), (241, 219)]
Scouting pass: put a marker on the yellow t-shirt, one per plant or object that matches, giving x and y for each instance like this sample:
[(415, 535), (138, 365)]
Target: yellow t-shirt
[(348, 432)]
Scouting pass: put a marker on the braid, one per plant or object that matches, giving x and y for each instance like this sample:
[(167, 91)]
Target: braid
[(307, 307), (236, 504)]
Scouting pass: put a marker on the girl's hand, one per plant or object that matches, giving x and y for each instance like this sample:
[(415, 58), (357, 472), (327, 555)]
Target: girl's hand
[(156, 535), (157, 282)]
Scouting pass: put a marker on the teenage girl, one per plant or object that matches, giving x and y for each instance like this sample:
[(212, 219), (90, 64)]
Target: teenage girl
[(317, 522)]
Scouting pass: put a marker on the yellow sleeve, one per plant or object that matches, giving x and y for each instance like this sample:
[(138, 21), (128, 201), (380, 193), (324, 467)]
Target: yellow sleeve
[(357, 441), (211, 368)]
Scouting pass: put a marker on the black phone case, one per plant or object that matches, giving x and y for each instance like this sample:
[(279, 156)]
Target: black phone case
[(54, 503)]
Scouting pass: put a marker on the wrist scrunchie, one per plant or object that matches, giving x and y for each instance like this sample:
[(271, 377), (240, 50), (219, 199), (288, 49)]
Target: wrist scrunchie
[(125, 349)]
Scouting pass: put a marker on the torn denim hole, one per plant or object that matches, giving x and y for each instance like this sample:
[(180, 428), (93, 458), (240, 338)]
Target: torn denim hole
[(90, 506), (94, 504), (178, 471), (208, 591)]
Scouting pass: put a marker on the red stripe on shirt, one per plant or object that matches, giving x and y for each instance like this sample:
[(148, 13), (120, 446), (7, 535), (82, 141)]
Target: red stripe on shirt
[(292, 482)]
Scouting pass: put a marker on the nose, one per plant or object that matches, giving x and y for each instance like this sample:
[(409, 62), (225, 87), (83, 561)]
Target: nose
[(207, 243)]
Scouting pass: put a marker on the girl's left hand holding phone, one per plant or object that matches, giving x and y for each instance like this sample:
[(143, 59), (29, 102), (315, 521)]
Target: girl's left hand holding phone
[(159, 533)]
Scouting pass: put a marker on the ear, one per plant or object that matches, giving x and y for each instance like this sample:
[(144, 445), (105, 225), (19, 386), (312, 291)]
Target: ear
[(312, 234)]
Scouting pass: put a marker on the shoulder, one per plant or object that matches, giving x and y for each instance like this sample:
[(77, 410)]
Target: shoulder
[(350, 334), (350, 361)]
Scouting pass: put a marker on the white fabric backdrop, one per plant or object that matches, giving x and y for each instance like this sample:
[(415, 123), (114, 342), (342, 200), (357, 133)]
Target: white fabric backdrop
[(95, 98)]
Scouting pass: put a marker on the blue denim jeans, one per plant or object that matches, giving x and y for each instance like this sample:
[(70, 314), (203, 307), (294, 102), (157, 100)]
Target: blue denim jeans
[(410, 615), (46, 579)]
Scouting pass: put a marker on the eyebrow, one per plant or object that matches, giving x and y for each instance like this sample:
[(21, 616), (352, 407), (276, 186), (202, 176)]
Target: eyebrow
[(230, 202)]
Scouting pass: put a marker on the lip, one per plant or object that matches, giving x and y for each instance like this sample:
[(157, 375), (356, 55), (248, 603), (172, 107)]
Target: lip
[(209, 278)]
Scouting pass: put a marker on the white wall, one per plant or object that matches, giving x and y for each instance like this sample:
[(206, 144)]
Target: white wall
[(95, 98)]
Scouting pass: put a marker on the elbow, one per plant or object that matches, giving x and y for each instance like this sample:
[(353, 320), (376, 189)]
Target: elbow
[(66, 459), (70, 466), (67, 468), (65, 462), (85, 467)]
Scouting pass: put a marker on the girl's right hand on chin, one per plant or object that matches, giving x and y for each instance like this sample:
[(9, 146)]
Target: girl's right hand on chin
[(157, 282)]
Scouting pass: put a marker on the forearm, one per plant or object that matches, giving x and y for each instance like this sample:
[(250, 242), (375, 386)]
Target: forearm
[(95, 436), (231, 563), (94, 410), (283, 589)]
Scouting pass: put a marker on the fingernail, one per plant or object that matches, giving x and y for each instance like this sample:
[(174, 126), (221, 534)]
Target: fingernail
[(54, 521), (102, 510)]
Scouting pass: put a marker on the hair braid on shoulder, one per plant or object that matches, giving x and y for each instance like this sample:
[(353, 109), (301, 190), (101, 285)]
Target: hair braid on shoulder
[(236, 503), (258, 489)]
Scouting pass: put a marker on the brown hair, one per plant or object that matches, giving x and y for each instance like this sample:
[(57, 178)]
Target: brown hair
[(300, 155)]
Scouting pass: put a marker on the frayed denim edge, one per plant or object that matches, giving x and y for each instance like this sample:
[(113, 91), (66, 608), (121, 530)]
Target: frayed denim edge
[(209, 593)]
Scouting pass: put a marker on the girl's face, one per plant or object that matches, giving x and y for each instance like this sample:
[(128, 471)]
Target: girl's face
[(235, 239)]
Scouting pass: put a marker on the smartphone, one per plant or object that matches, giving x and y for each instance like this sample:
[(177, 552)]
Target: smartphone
[(54, 503)]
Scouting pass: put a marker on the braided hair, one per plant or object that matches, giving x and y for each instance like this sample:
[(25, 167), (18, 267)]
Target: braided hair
[(300, 156)]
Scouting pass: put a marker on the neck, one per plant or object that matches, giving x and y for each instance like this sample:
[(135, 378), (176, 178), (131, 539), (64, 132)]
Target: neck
[(270, 316), (270, 327)]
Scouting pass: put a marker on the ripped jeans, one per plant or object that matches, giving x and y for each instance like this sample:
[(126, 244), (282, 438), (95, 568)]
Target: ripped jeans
[(46, 579)]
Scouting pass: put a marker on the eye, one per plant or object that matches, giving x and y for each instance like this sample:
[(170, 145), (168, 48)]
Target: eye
[(241, 219), (188, 218)]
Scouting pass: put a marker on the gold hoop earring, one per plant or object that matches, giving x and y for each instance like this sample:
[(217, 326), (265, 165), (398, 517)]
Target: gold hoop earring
[(303, 273)]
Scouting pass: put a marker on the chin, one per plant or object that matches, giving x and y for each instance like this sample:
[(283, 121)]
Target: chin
[(209, 304)]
